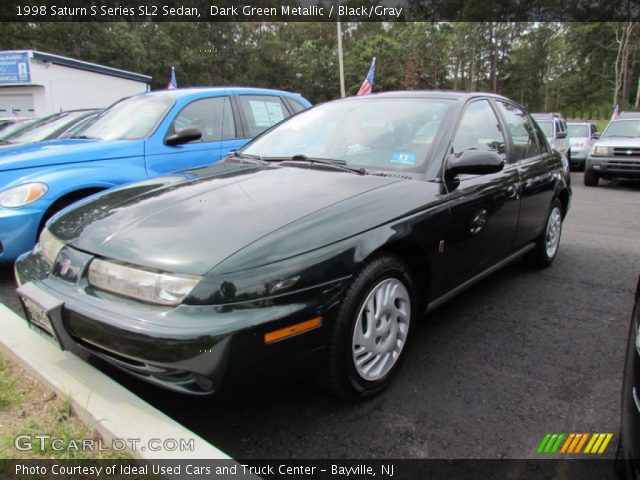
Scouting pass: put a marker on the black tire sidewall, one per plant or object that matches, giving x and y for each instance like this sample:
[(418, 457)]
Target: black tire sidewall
[(377, 270)]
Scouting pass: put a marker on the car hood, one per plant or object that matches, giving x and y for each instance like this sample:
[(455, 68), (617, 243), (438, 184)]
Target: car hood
[(54, 152), (619, 142), (192, 225)]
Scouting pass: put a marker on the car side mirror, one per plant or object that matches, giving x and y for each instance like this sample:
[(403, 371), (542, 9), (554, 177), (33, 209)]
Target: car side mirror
[(473, 162), (561, 135), (595, 136), (183, 135)]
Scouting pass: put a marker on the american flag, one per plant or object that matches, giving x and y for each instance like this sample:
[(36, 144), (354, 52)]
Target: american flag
[(367, 85), (173, 84), (616, 113)]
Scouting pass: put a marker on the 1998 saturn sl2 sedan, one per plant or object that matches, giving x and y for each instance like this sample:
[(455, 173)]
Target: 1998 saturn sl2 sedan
[(317, 247)]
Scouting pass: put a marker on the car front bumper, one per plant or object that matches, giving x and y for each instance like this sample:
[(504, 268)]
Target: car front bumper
[(18, 231), (618, 167), (190, 349)]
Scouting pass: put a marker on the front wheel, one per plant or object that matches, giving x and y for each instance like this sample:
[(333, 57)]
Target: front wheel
[(590, 178), (547, 245), (371, 331)]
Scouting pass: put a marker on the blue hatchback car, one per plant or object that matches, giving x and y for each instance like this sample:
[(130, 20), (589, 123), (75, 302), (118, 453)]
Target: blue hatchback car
[(139, 137)]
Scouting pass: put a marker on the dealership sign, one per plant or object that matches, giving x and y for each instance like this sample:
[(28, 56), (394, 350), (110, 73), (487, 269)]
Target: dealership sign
[(14, 67)]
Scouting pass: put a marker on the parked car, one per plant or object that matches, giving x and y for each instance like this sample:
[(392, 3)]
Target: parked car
[(10, 129), (317, 247), (9, 122), (617, 153), (145, 135), (48, 128), (628, 458), (555, 129), (582, 134)]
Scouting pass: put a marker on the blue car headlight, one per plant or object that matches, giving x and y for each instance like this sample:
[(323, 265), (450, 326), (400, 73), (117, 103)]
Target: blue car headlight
[(22, 194)]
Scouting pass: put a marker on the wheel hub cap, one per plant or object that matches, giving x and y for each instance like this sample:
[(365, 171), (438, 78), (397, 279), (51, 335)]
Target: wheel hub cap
[(554, 228), (381, 329)]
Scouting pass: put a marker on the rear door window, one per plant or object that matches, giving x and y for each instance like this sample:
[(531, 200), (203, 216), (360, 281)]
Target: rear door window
[(523, 135), (261, 112)]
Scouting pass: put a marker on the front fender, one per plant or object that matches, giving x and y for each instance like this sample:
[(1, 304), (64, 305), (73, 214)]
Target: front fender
[(63, 180)]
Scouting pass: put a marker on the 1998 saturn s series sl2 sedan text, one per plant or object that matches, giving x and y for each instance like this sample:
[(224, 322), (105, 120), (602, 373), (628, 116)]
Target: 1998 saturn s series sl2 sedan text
[(318, 246)]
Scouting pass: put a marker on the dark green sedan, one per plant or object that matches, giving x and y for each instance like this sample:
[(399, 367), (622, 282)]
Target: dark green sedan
[(316, 248)]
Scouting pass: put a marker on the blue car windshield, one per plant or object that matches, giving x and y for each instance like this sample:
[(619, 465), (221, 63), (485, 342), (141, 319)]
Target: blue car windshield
[(133, 118), (379, 133)]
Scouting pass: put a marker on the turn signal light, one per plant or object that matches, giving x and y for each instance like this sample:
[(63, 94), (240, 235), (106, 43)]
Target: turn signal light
[(292, 330)]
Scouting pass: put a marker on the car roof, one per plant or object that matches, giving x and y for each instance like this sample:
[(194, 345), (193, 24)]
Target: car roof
[(548, 115), (629, 115), (451, 94), (198, 91)]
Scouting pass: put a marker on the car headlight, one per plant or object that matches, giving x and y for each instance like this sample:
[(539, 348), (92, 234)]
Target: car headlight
[(597, 150), (139, 284), (22, 195), (49, 246)]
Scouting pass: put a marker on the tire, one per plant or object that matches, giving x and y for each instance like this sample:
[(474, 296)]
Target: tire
[(590, 178), (363, 356), (547, 244)]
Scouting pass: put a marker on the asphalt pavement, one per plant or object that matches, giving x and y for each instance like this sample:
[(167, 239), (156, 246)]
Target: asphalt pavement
[(523, 353)]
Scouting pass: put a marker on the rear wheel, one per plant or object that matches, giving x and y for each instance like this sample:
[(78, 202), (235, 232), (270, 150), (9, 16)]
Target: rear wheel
[(547, 245), (591, 178), (371, 331)]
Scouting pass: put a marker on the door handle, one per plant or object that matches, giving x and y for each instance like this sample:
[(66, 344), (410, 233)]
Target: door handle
[(512, 191)]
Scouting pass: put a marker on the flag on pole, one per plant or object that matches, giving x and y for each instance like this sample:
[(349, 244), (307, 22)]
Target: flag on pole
[(367, 85), (616, 113), (173, 84)]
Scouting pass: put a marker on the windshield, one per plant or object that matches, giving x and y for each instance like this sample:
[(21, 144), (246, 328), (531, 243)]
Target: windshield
[(78, 127), (133, 118), (578, 130), (46, 128), (547, 127), (382, 133), (623, 128), (12, 129)]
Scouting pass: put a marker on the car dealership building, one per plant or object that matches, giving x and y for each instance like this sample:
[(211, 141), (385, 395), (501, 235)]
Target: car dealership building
[(35, 84)]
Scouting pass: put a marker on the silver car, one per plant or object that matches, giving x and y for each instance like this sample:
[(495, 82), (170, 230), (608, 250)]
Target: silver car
[(617, 153), (582, 134), (554, 127)]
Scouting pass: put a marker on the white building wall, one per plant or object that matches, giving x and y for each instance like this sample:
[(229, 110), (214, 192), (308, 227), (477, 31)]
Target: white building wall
[(66, 88)]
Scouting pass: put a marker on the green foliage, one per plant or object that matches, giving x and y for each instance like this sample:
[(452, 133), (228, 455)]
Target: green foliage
[(566, 67)]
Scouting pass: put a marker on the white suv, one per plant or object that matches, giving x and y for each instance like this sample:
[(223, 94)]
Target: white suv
[(555, 129)]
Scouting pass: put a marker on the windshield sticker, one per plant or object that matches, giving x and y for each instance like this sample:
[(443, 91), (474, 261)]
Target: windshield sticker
[(406, 158)]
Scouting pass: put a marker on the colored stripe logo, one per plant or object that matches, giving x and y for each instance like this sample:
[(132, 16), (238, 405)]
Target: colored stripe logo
[(572, 443)]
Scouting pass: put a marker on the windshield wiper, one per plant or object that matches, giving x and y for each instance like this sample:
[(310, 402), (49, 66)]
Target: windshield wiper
[(255, 158), (322, 161), (84, 137)]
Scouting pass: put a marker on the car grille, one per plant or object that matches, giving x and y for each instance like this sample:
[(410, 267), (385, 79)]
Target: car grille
[(626, 152), (627, 165)]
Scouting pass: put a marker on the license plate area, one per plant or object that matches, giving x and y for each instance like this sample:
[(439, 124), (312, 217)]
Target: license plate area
[(40, 308)]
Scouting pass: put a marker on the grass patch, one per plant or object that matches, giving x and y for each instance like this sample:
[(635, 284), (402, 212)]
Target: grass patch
[(602, 124), (29, 408)]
